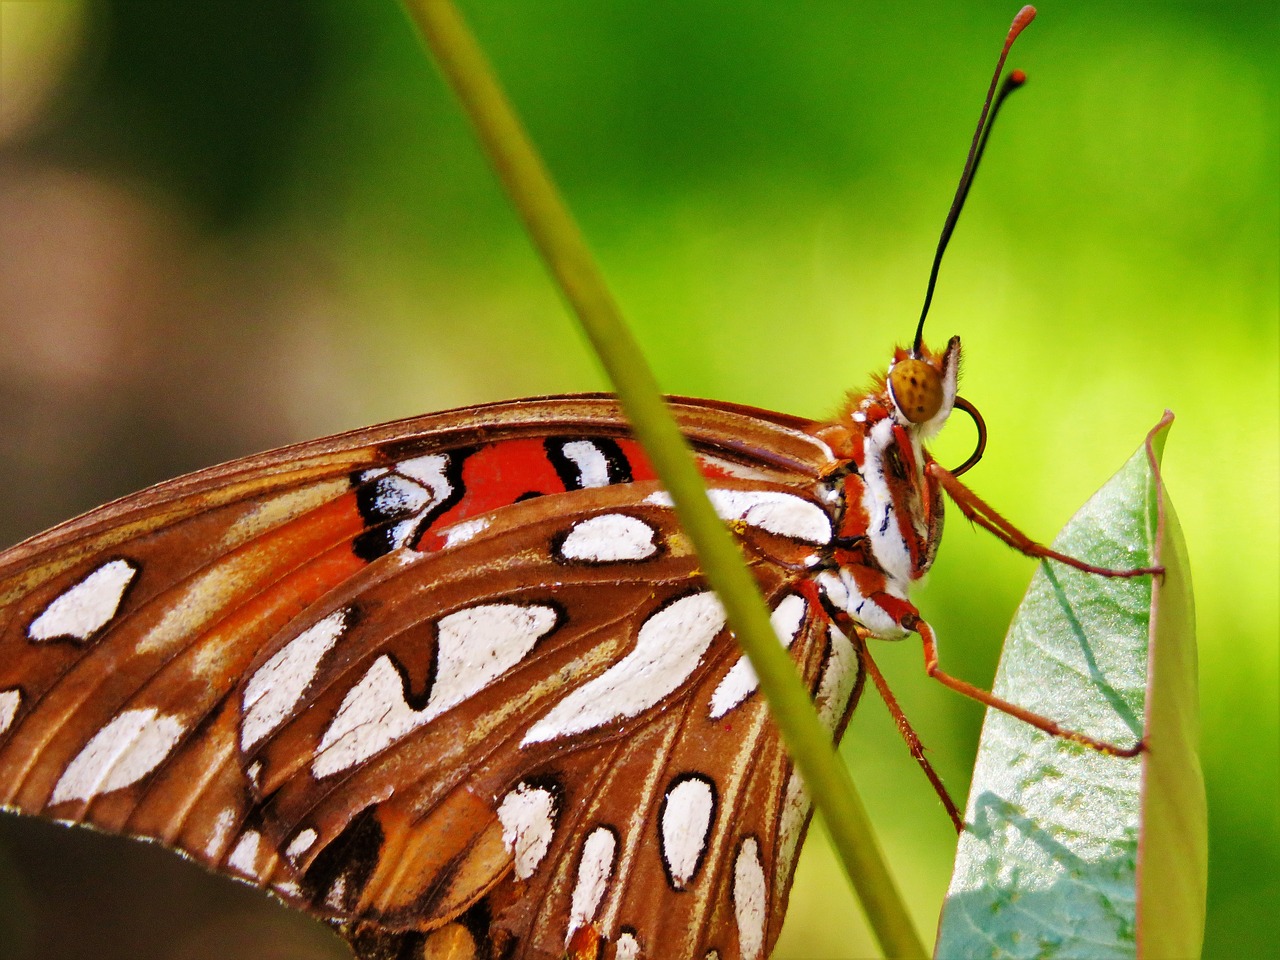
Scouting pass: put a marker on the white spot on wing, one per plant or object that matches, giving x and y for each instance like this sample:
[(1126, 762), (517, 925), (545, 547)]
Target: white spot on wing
[(430, 472), (84, 609), (609, 538), (277, 686), (401, 532), (10, 700), (795, 811), (120, 754), (687, 812), (337, 896), (669, 647), (528, 816), (627, 947), (396, 495), (473, 648), (244, 858), (477, 645), (593, 467), (464, 531), (772, 511), (741, 680), (222, 824), (749, 899), (372, 716), (839, 676), (301, 843), (594, 871)]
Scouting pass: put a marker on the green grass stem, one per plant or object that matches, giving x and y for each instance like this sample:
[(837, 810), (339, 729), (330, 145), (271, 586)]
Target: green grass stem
[(561, 244)]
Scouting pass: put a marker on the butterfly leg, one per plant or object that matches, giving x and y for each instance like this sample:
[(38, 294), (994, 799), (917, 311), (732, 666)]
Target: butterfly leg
[(913, 622), (984, 515), (908, 734)]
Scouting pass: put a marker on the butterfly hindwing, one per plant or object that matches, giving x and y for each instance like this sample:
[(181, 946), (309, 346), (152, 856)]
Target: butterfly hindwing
[(581, 767)]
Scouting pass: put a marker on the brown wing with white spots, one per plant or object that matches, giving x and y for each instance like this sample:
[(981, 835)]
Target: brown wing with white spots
[(251, 665), (549, 732), (124, 634)]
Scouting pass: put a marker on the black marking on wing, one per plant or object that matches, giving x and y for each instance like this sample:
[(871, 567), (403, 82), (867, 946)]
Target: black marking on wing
[(382, 511), (416, 699), (352, 856), (370, 942)]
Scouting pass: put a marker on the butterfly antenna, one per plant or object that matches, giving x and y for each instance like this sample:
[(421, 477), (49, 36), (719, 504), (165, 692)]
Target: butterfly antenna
[(990, 108)]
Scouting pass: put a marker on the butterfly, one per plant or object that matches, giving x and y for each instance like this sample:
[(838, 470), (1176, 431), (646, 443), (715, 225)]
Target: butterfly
[(421, 672), (457, 685)]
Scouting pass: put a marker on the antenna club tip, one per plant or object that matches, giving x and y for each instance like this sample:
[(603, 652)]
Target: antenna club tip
[(1024, 17), (1016, 78)]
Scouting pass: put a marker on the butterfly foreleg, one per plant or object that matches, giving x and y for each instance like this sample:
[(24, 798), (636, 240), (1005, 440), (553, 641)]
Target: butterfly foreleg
[(914, 623), (984, 515)]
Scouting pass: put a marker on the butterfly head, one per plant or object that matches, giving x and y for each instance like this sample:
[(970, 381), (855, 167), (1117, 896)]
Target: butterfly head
[(921, 387)]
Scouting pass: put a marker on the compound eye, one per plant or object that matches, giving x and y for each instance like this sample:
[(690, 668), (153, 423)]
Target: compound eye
[(917, 389)]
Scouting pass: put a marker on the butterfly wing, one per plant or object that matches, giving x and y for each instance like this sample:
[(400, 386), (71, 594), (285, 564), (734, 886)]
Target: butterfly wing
[(373, 673), (603, 762)]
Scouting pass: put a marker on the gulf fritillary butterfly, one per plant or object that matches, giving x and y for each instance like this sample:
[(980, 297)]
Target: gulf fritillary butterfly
[(455, 683)]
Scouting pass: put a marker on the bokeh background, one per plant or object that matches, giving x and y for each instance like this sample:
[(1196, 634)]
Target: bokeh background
[(230, 225)]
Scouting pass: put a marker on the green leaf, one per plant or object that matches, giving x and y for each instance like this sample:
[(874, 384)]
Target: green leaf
[(1070, 852), (1173, 859)]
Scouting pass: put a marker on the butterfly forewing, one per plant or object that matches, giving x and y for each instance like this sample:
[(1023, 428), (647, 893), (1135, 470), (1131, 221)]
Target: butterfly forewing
[(462, 666)]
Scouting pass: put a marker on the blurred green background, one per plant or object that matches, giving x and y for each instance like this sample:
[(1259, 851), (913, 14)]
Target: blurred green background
[(231, 225)]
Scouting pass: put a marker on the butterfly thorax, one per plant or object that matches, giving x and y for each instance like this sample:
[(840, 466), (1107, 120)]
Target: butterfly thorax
[(892, 519)]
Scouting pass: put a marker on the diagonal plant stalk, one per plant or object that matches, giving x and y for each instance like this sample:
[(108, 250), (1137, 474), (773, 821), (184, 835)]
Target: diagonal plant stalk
[(562, 246)]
